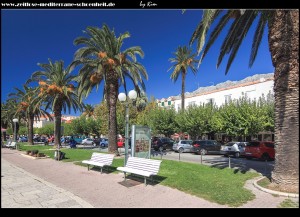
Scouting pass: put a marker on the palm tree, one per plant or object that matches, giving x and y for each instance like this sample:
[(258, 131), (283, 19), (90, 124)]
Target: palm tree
[(7, 114), (283, 37), (88, 110), (184, 59), (57, 91), (28, 109), (102, 59), (141, 101)]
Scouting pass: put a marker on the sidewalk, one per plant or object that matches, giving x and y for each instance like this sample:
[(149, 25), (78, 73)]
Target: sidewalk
[(47, 183)]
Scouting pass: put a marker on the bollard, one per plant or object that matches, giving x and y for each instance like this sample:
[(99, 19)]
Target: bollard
[(229, 162), (265, 167), (201, 158)]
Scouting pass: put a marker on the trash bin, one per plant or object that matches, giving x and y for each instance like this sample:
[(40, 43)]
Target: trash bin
[(60, 154)]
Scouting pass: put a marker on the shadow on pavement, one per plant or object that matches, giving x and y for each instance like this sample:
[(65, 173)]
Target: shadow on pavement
[(134, 180), (242, 165)]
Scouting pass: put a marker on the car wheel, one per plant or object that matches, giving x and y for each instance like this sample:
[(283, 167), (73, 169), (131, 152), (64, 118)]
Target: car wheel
[(180, 150), (94, 144), (237, 154), (265, 157), (203, 151), (102, 145), (161, 149)]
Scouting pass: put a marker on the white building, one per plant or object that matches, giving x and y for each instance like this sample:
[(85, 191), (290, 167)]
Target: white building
[(252, 87), (45, 120)]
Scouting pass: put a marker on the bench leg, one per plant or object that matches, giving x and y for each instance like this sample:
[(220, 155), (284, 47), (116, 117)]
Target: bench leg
[(101, 170), (124, 176), (88, 167), (145, 181)]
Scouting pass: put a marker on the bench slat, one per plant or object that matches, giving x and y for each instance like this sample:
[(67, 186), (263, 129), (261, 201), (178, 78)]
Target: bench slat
[(141, 166), (99, 159)]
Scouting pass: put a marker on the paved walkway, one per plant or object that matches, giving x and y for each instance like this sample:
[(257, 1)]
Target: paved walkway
[(28, 182)]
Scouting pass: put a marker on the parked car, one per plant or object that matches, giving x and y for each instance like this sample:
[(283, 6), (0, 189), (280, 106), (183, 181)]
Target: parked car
[(88, 141), (260, 149), (159, 144), (204, 147), (79, 139), (104, 143), (24, 139), (236, 149), (183, 146)]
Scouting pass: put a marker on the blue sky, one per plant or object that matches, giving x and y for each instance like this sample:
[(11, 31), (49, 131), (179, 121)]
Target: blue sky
[(29, 37)]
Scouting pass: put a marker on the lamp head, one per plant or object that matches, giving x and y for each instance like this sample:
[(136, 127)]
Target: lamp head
[(132, 94), (122, 97), (15, 120)]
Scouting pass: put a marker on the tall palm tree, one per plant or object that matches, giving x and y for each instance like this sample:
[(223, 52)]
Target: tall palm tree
[(28, 109), (57, 90), (184, 59), (283, 37), (88, 110), (102, 59), (8, 109)]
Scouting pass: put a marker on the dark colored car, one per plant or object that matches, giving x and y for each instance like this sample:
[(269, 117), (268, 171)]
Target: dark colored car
[(261, 150), (159, 144), (204, 147)]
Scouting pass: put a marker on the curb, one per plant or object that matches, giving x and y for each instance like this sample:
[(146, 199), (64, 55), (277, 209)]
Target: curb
[(272, 191)]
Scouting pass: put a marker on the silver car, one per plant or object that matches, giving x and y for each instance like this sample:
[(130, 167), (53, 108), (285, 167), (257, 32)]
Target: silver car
[(183, 146), (234, 148), (88, 141)]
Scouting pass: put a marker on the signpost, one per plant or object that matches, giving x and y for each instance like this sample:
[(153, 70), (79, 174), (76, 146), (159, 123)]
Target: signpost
[(141, 141)]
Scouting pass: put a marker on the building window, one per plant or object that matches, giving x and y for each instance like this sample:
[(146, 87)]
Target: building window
[(192, 103), (169, 102), (227, 98), (250, 95), (210, 101), (162, 103)]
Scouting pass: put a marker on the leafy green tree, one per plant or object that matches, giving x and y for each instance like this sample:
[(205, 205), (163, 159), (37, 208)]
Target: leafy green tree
[(283, 38), (48, 129), (184, 60), (101, 59), (57, 90), (162, 121)]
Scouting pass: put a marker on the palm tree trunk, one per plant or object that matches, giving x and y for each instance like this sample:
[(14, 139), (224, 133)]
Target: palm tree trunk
[(112, 96), (182, 89), (57, 124), (30, 129), (284, 47)]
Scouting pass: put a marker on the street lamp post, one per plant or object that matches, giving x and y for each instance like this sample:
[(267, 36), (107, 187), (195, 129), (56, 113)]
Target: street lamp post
[(122, 97), (15, 120)]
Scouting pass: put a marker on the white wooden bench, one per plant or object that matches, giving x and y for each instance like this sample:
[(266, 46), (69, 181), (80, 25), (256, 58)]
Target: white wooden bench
[(141, 166), (100, 160), (11, 145)]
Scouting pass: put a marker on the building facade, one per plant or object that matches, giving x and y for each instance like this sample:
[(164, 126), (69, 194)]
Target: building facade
[(251, 87), (45, 120)]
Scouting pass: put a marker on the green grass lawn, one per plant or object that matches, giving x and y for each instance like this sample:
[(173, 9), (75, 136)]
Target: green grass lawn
[(223, 186), (288, 203)]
